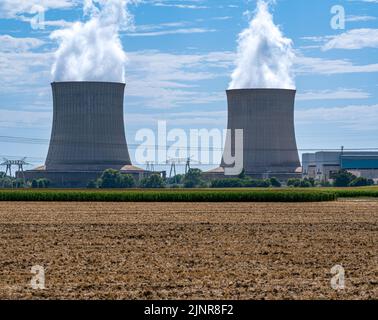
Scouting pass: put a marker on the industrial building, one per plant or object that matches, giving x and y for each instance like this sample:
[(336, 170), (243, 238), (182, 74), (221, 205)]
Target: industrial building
[(88, 134), (321, 165), (266, 117)]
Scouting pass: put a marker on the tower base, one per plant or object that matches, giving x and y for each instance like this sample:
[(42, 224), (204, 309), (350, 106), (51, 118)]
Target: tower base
[(75, 179)]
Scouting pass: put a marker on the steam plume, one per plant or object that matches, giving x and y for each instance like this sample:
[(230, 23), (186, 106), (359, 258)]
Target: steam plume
[(265, 56), (92, 50)]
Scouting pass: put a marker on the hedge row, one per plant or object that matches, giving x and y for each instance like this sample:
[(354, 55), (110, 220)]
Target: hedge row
[(167, 196), (353, 193)]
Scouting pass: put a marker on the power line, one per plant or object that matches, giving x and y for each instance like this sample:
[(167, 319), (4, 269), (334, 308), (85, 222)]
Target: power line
[(24, 140)]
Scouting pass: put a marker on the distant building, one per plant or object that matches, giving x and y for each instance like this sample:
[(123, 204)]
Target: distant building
[(321, 165)]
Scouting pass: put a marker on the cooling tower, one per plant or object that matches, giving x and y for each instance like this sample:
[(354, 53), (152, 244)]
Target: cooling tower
[(88, 131), (267, 119)]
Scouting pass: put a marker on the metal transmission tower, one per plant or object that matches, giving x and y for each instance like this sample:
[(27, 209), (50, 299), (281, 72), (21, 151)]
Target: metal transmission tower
[(18, 163), (178, 161), (173, 163), (150, 166), (10, 163)]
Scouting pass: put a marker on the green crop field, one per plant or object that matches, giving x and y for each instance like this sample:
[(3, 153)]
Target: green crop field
[(190, 195), (169, 195)]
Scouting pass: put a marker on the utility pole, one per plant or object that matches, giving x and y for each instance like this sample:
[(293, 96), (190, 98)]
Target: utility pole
[(172, 162), (187, 166), (150, 166)]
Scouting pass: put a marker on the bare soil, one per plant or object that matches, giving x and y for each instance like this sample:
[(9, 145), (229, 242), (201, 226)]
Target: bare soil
[(189, 250)]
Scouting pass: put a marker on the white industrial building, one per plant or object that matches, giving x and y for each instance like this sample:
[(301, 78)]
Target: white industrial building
[(321, 165)]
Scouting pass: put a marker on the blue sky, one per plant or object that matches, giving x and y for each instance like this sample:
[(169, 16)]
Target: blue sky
[(181, 55)]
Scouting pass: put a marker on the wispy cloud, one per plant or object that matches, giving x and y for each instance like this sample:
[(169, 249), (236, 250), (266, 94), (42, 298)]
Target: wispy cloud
[(25, 119), (354, 117), (361, 18), (166, 80), (350, 40), (337, 94), (194, 5), (12, 44), (353, 39), (170, 32), (13, 8), (313, 65)]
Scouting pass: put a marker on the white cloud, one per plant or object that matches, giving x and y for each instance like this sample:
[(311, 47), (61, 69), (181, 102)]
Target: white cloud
[(170, 32), (180, 5), (311, 65), (224, 18), (355, 117), (337, 94), (25, 119), (177, 119), (362, 18), (154, 79), (160, 26), (13, 8), (22, 72), (165, 80), (12, 44), (367, 1), (48, 23), (353, 39)]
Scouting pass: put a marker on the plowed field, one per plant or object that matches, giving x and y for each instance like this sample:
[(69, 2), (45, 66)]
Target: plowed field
[(189, 250)]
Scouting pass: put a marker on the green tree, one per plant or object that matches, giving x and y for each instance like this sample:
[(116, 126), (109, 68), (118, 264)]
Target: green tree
[(177, 179), (7, 182), (41, 183), (311, 181), (193, 179), (325, 184), (127, 181), (92, 184), (34, 184), (19, 183), (227, 183), (342, 178), (275, 182), (361, 182), (47, 183), (242, 175), (264, 183), (154, 181), (113, 179), (110, 179), (305, 184), (294, 183)]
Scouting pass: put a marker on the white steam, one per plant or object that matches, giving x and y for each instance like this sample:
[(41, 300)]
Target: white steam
[(92, 50), (265, 56)]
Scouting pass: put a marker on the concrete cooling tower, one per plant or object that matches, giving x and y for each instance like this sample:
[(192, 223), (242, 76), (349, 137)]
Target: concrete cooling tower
[(88, 134), (266, 117), (88, 128)]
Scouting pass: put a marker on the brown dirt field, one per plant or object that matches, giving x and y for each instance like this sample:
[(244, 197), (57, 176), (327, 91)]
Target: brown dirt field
[(189, 250)]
